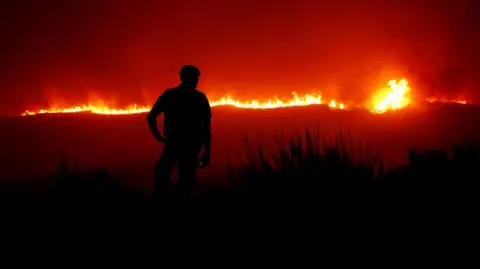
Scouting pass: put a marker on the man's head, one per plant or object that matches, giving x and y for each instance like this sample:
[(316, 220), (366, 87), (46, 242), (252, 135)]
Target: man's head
[(189, 75)]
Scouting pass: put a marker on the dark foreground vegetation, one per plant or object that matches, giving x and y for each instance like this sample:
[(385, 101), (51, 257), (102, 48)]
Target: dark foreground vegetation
[(308, 178)]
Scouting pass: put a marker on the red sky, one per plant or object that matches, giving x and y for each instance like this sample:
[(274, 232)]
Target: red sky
[(55, 50)]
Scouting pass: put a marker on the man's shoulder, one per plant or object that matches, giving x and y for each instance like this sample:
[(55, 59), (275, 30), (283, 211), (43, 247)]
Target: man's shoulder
[(200, 94), (196, 94), (168, 92)]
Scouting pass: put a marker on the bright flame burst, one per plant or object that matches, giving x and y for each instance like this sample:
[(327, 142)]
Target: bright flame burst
[(395, 96)]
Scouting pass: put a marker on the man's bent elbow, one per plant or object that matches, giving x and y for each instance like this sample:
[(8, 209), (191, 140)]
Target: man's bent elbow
[(207, 138), (151, 118)]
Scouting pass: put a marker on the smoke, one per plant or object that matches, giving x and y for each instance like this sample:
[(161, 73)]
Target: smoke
[(132, 52)]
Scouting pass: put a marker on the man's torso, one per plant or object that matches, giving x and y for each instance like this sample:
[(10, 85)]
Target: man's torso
[(184, 112)]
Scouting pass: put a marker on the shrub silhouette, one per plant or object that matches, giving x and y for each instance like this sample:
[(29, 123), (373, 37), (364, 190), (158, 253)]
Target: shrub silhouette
[(308, 163)]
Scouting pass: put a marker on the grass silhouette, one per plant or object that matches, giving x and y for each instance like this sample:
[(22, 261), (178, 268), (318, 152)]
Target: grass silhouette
[(309, 163), (305, 166)]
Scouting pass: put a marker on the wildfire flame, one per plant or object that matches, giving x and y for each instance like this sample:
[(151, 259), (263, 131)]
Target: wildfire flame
[(96, 109), (395, 96), (305, 100)]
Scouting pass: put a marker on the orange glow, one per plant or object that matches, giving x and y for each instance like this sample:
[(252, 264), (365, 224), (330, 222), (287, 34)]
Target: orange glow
[(395, 96), (444, 100), (334, 104)]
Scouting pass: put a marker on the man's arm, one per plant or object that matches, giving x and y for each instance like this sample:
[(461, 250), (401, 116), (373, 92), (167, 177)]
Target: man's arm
[(152, 116), (207, 134)]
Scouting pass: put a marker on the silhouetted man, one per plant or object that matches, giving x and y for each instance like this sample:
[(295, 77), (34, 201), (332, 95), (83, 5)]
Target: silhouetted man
[(186, 125)]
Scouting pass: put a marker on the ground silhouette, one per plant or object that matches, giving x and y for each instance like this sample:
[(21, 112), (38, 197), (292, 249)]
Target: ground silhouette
[(307, 187)]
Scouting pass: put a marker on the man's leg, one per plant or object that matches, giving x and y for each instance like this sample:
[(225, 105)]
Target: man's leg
[(187, 170), (163, 170)]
